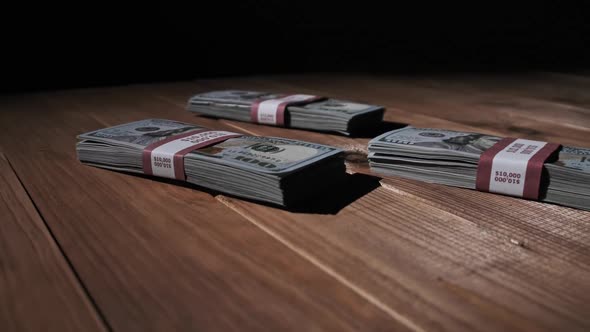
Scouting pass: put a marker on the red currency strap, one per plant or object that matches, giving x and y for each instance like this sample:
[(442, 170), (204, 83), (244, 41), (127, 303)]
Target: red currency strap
[(272, 111), (177, 147), (533, 167)]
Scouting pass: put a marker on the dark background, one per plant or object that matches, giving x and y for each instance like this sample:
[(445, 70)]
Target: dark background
[(45, 47)]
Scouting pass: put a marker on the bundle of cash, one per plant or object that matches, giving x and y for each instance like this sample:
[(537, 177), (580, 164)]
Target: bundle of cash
[(295, 111), (269, 169), (453, 158)]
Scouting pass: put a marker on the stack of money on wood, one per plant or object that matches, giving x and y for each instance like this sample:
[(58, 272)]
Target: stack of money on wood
[(455, 159), (269, 169), (295, 111)]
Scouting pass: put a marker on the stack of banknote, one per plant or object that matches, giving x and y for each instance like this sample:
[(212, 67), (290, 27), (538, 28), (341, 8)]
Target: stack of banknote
[(325, 114), (269, 169), (451, 158)]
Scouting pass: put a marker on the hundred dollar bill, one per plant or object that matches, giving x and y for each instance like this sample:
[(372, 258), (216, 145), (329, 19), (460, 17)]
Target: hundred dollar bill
[(271, 169), (452, 157), (302, 111)]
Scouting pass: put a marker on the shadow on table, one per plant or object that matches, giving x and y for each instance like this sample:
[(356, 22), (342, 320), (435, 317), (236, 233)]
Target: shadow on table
[(352, 188), (331, 201)]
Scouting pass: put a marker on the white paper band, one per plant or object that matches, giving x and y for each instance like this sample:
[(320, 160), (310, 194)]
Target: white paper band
[(509, 166), (162, 157), (270, 111)]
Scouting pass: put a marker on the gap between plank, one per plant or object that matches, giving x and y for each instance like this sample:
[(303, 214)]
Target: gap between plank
[(85, 291), (358, 290)]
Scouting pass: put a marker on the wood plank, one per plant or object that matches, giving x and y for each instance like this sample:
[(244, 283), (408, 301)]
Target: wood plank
[(549, 230), (427, 258), (438, 266), (430, 262), (545, 97), (38, 290), (157, 256), (559, 89)]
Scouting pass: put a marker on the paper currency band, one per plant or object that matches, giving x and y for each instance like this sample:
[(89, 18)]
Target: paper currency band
[(514, 167), (166, 157), (272, 111)]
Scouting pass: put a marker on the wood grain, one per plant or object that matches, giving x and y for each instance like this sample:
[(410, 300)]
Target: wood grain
[(499, 268), (556, 100), (403, 255), (431, 263), (161, 256), (38, 290), (557, 89)]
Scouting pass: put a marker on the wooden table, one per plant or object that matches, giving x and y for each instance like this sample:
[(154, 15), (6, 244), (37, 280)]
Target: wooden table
[(86, 249)]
